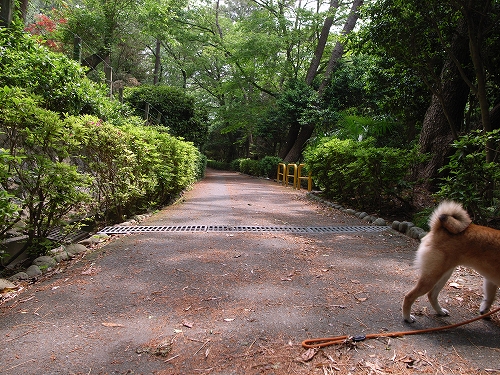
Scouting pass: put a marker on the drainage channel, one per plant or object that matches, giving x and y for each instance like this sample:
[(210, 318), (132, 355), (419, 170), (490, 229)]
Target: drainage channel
[(238, 228)]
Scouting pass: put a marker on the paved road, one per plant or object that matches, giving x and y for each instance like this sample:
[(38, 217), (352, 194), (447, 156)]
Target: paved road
[(240, 302)]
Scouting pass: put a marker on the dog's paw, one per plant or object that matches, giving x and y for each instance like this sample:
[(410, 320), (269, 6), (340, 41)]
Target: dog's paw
[(443, 312), (410, 319), (482, 312), (485, 307)]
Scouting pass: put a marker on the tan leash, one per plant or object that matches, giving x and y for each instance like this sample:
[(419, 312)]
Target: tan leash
[(335, 340)]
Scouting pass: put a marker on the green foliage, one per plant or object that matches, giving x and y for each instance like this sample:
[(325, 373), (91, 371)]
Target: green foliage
[(360, 173), (470, 180), (249, 166), (58, 167), (269, 166), (9, 205), (221, 165), (133, 166), (61, 82), (295, 105), (172, 108), (45, 185), (236, 165)]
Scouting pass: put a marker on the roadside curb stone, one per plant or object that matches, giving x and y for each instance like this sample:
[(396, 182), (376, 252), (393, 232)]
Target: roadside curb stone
[(45, 261), (33, 271), (75, 249), (405, 227)]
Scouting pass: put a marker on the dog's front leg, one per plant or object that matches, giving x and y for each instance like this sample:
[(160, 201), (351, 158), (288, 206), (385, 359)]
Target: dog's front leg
[(490, 291)]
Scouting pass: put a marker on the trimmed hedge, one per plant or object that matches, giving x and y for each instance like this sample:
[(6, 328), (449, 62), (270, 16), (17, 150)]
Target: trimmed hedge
[(59, 170), (360, 173), (265, 167)]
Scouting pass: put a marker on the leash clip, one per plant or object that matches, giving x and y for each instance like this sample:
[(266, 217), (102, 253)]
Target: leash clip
[(358, 338)]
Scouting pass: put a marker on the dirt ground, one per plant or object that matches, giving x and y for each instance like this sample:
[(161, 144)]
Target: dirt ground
[(242, 303)]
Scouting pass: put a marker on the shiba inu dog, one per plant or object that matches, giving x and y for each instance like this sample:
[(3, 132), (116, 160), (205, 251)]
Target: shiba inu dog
[(452, 241)]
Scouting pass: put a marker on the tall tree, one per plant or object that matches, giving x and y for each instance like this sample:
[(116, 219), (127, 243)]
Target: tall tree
[(295, 144), (449, 44)]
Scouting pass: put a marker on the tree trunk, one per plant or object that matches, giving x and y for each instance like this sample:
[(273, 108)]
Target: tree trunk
[(290, 140), (436, 135), (307, 130), (6, 10), (339, 48), (445, 114), (156, 74), (24, 9), (294, 153), (320, 48)]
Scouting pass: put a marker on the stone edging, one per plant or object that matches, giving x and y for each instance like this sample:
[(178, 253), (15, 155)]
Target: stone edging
[(407, 228)]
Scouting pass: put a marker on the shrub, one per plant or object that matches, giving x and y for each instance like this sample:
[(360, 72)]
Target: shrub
[(221, 165), (133, 166), (235, 165), (470, 179), (58, 164), (60, 81), (43, 182), (359, 173), (173, 108), (250, 166), (10, 207), (269, 166)]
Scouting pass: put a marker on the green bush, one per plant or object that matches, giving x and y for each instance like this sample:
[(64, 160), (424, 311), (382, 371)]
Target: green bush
[(133, 166), (221, 165), (250, 166), (173, 108), (269, 166), (10, 207), (327, 162), (60, 81), (470, 179), (41, 180), (235, 165), (359, 173), (61, 162)]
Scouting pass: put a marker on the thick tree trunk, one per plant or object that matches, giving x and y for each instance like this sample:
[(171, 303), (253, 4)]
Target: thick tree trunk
[(444, 117), (294, 153), (436, 135), (290, 140)]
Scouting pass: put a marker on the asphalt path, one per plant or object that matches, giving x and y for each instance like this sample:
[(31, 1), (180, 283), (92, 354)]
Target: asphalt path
[(231, 302)]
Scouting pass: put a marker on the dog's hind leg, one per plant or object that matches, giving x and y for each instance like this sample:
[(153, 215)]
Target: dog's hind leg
[(434, 293), (490, 291)]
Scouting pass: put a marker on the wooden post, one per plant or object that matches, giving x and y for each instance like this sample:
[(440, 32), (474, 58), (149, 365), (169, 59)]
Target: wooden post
[(146, 112)]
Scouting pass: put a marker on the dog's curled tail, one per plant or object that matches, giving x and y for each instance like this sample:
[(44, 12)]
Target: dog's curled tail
[(451, 216)]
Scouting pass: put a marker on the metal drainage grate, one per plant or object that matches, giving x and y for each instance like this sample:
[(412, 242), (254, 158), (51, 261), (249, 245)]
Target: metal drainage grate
[(239, 228), (59, 235)]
